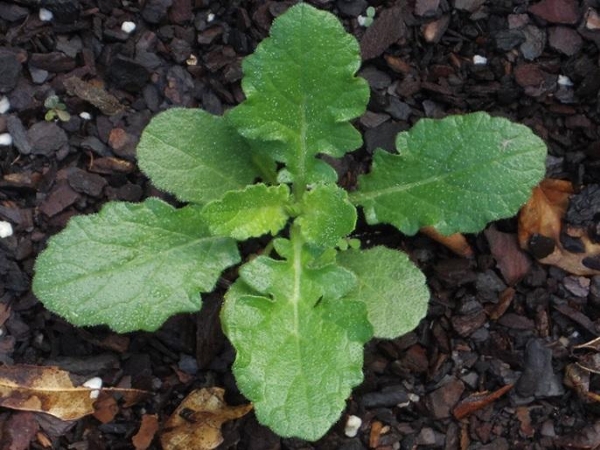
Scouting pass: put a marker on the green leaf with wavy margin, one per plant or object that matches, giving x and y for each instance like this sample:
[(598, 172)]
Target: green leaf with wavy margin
[(194, 155), (392, 288), (255, 211), (455, 174), (131, 266), (327, 215), (301, 93), (299, 344)]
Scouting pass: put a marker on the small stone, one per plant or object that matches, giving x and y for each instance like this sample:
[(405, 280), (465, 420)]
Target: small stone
[(85, 115), (45, 15), (46, 138), (479, 60), (4, 105), (557, 11), (433, 31), (128, 27), (578, 286), (441, 401), (38, 76), (5, 139), (535, 41), (538, 378), (352, 426), (6, 229), (565, 40), (19, 135), (10, 70), (387, 397), (64, 11), (592, 20), (398, 109), (468, 5)]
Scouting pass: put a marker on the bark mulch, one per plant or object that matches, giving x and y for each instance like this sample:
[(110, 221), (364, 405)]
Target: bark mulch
[(493, 364)]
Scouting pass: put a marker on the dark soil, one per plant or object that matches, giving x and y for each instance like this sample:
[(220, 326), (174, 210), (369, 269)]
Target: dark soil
[(496, 321)]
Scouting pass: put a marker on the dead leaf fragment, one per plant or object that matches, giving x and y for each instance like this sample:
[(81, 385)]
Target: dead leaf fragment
[(477, 401), (97, 96), (196, 423), (541, 225), (50, 390), (455, 242), (143, 438)]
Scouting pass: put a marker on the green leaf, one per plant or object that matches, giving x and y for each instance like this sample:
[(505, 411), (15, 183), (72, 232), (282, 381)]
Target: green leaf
[(455, 174), (299, 344), (131, 266), (327, 215), (301, 93), (392, 288), (194, 155), (256, 210)]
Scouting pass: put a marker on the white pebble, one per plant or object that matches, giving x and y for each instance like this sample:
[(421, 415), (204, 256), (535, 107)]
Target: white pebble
[(5, 139), (85, 115), (564, 80), (479, 60), (352, 425), (4, 104), (6, 229), (362, 20), (128, 27), (45, 15), (210, 17), (94, 384)]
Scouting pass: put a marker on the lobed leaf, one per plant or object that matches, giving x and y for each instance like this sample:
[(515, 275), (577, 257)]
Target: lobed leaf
[(455, 174), (255, 211), (327, 215), (392, 288), (299, 344), (301, 93), (131, 266), (194, 155)]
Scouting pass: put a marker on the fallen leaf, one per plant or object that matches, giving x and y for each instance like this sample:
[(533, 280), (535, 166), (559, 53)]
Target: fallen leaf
[(97, 96), (455, 242), (105, 407), (148, 428), (541, 225), (477, 401), (50, 390), (196, 423)]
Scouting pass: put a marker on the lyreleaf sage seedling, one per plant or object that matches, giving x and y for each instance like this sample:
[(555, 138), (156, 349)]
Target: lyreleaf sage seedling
[(300, 313)]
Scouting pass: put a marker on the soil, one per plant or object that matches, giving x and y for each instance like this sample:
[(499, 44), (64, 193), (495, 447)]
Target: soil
[(493, 365)]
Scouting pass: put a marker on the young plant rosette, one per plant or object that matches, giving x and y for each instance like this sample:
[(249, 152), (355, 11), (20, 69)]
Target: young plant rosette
[(300, 313)]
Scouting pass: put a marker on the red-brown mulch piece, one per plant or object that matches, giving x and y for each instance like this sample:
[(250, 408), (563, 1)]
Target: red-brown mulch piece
[(477, 401)]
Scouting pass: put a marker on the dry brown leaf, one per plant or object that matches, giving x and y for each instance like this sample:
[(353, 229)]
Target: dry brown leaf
[(196, 423), (455, 242), (477, 401), (540, 225), (148, 428), (50, 390)]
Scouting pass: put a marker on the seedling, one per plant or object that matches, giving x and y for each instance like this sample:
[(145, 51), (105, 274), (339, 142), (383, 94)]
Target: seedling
[(55, 109), (299, 314), (368, 18)]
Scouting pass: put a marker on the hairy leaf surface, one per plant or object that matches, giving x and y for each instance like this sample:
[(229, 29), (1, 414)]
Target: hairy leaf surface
[(255, 211), (299, 344), (455, 174), (392, 288), (131, 266), (327, 215), (301, 93), (194, 155)]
